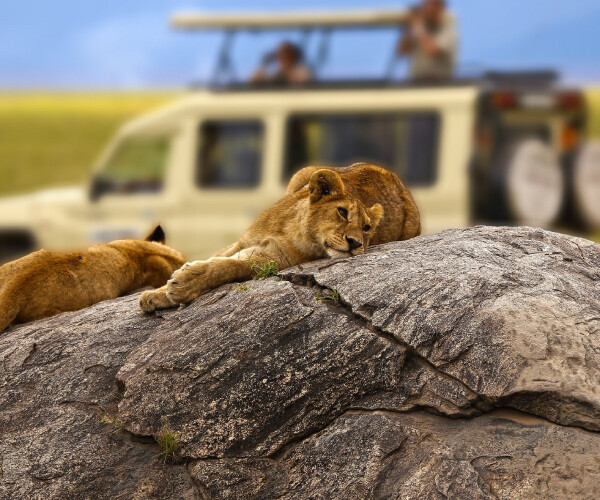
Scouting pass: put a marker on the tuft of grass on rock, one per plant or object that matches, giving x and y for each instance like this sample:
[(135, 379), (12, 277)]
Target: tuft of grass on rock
[(114, 421), (264, 270), (241, 287), (168, 443), (333, 295)]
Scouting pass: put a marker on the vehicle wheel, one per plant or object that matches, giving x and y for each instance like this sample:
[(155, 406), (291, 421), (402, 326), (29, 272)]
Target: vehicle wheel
[(585, 182), (527, 185)]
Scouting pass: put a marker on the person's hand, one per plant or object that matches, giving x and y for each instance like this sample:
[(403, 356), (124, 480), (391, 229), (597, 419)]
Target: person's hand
[(259, 76), (417, 29)]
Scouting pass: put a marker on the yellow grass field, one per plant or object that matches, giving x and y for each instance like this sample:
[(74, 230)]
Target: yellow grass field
[(49, 140)]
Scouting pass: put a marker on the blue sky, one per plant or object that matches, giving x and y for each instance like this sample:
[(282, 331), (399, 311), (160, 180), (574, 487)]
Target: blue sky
[(66, 44)]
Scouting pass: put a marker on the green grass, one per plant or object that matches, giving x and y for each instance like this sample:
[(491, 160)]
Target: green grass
[(49, 140), (241, 287), (264, 270), (333, 295), (168, 443), (114, 421)]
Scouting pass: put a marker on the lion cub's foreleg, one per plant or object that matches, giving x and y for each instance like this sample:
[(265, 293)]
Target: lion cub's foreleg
[(152, 300), (191, 280), (195, 278)]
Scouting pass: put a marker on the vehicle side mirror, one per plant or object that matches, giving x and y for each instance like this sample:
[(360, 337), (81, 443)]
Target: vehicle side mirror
[(96, 189)]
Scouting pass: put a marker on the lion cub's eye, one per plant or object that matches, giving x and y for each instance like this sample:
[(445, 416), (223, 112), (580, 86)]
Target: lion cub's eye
[(343, 212), (366, 228)]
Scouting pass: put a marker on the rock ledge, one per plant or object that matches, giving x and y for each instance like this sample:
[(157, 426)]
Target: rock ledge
[(459, 365)]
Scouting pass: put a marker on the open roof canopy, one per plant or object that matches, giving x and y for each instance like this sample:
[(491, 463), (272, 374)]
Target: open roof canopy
[(320, 23), (289, 20)]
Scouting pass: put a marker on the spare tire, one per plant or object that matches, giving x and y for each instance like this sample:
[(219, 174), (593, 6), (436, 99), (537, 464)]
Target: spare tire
[(527, 184), (585, 184)]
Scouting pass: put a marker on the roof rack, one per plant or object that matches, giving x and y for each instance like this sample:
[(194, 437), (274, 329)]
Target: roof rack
[(353, 84), (309, 22), (288, 20), (538, 78)]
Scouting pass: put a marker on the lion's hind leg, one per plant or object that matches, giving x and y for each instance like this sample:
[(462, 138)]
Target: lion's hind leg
[(8, 313)]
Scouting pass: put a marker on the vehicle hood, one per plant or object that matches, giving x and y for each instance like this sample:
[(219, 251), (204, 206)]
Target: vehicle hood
[(16, 211)]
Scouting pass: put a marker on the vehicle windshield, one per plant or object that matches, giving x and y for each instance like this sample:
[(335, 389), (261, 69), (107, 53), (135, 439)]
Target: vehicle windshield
[(137, 165), (406, 143)]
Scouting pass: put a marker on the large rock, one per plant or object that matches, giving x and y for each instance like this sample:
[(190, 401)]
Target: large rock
[(460, 365)]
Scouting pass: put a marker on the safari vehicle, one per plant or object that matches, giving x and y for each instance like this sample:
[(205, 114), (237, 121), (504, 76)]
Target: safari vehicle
[(500, 149)]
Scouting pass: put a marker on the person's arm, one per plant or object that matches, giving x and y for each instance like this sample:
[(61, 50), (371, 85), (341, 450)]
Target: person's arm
[(259, 76), (299, 74), (405, 45), (438, 46), (429, 45)]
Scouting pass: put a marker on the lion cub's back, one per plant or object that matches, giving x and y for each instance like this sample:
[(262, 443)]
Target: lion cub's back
[(373, 184), (45, 283)]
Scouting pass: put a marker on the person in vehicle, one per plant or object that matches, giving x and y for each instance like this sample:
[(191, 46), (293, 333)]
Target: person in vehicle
[(430, 41), (290, 67)]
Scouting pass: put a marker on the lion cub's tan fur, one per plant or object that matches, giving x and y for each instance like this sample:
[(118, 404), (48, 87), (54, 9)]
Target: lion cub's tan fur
[(325, 212), (46, 283)]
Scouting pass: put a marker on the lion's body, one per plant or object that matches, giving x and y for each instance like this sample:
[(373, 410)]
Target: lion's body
[(371, 185), (308, 223), (46, 283)]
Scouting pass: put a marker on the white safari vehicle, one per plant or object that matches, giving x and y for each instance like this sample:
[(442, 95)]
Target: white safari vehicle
[(507, 148)]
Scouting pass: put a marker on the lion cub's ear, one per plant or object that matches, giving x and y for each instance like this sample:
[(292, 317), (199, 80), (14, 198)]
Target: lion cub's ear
[(325, 182), (375, 213), (157, 235)]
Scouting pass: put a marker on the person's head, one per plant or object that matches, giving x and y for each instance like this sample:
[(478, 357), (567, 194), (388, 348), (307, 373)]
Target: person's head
[(433, 10), (288, 55)]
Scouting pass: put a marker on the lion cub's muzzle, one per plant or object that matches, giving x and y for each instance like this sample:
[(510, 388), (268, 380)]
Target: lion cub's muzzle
[(353, 244), (344, 246)]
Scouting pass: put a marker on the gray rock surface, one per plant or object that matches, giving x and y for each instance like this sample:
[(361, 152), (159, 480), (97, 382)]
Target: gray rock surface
[(459, 365)]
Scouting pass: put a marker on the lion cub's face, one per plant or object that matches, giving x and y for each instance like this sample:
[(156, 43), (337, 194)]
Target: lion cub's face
[(341, 223)]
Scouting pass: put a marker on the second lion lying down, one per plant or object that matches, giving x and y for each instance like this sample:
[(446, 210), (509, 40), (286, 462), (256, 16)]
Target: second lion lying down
[(335, 212)]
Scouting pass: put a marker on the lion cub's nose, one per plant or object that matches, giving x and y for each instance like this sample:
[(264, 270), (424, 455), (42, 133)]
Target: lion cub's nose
[(353, 243)]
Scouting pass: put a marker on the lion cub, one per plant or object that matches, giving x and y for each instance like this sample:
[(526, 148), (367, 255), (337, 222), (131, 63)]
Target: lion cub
[(46, 283), (326, 212)]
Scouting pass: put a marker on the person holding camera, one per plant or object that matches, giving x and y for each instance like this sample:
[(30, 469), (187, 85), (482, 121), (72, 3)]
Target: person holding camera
[(430, 41), (290, 67)]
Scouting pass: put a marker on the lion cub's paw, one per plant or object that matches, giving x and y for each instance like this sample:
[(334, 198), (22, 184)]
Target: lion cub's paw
[(188, 283), (152, 300)]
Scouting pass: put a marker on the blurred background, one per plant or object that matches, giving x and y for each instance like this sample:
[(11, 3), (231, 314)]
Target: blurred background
[(504, 133)]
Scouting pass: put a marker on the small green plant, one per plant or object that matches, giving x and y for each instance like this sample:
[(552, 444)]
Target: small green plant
[(114, 421), (241, 287), (332, 296), (264, 270), (168, 443)]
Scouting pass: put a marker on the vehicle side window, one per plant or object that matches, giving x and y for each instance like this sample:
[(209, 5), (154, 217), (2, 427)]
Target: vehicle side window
[(405, 143), (230, 154), (137, 165)]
